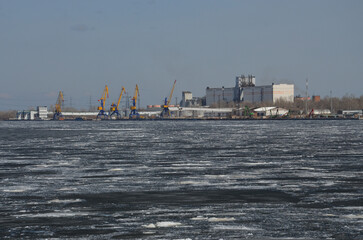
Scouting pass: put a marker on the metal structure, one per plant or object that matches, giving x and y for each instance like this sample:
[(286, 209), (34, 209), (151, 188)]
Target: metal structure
[(166, 112), (134, 113), (114, 107), (58, 107), (102, 100)]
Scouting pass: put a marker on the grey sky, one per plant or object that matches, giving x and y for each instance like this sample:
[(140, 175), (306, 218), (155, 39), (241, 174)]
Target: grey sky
[(79, 46)]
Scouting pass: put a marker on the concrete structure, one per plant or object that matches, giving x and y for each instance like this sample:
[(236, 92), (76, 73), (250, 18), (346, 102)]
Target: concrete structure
[(40, 114), (26, 115), (187, 96), (246, 91), (243, 82), (189, 101), (271, 93), (216, 95)]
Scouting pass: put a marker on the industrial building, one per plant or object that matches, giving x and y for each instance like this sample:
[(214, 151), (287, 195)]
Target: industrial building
[(189, 101), (245, 90), (270, 93), (40, 114), (218, 95)]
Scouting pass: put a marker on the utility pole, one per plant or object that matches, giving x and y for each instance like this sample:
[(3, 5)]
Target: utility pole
[(306, 97), (138, 103), (331, 103), (90, 103), (223, 96), (176, 101)]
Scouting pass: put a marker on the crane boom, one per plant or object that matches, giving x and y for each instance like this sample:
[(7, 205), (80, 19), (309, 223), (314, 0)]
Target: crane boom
[(60, 100), (119, 99), (171, 93), (103, 97), (58, 107), (166, 112), (136, 94), (114, 107)]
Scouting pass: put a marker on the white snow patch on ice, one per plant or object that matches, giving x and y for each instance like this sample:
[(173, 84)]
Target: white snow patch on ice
[(67, 189), (168, 224), (199, 218), (354, 216), (65, 200), (231, 227), (53, 214), (115, 169), (14, 190), (226, 219), (151, 225)]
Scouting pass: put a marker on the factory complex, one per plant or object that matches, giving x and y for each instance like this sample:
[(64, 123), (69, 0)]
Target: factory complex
[(245, 90), (218, 103)]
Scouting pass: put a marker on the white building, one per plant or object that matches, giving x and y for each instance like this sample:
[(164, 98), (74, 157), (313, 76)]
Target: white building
[(205, 112), (271, 93), (40, 114), (271, 111)]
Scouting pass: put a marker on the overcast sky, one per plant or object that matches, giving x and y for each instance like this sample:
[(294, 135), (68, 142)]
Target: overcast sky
[(79, 46)]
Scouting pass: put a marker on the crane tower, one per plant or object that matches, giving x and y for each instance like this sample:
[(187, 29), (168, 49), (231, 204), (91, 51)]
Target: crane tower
[(134, 113), (166, 112), (58, 107), (102, 100), (114, 107)]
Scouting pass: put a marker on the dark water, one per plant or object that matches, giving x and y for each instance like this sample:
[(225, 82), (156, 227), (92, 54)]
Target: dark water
[(182, 180)]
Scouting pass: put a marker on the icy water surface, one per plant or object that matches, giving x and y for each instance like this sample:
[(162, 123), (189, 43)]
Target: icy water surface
[(182, 180)]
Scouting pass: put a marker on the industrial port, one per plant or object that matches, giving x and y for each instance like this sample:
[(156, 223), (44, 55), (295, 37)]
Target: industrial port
[(243, 101)]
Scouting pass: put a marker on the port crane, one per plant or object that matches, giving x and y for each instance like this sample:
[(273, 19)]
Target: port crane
[(166, 112), (58, 107), (134, 113), (114, 107), (102, 101)]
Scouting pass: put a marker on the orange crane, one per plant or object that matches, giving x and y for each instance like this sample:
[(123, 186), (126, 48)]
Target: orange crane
[(58, 107), (102, 101), (166, 112), (114, 107), (134, 113)]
